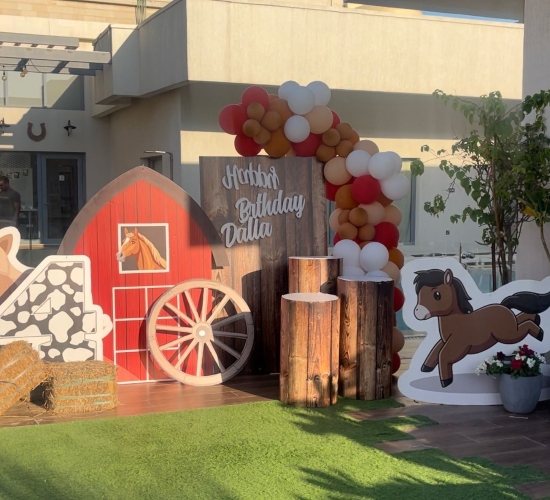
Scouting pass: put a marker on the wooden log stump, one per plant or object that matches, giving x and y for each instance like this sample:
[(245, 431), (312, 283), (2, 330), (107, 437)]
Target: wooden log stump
[(310, 328), (313, 274), (366, 328)]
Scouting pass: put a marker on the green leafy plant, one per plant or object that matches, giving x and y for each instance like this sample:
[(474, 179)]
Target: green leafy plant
[(523, 362), (503, 165)]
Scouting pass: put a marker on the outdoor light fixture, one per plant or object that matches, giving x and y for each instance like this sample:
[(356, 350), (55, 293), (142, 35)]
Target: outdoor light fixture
[(4, 76), (69, 128), (3, 125), (23, 72), (171, 160)]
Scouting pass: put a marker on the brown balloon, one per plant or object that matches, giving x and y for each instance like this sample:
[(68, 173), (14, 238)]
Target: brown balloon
[(262, 137), (358, 216), (354, 139), (251, 128), (397, 257), (347, 231), (280, 106), (398, 340), (366, 232), (344, 199), (278, 144), (331, 137), (364, 244), (344, 148), (346, 131), (271, 120), (255, 111), (325, 153), (343, 216), (383, 200)]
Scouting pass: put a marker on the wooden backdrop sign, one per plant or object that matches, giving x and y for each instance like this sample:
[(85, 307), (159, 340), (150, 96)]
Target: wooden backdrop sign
[(464, 327), (265, 210)]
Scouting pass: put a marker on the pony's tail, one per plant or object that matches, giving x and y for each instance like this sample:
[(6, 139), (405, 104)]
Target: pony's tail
[(528, 302)]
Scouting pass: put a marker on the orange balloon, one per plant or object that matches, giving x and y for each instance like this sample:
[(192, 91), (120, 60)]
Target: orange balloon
[(280, 106), (393, 215), (345, 130), (251, 128), (271, 120), (366, 232), (255, 111), (333, 221), (325, 153), (383, 200), (354, 139), (392, 271), (278, 144), (368, 146), (331, 137), (358, 216), (398, 340), (262, 137), (336, 172), (320, 119), (347, 231), (344, 199), (397, 257), (343, 217), (344, 148)]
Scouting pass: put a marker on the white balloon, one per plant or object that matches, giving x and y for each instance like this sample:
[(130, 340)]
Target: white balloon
[(396, 160), (373, 256), (352, 272), (286, 88), (357, 163), (382, 166), (301, 100), (348, 251), (321, 92), (395, 187), (297, 129), (378, 274)]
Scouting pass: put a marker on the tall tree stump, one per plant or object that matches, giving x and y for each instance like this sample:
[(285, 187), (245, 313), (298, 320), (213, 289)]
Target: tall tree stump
[(366, 327), (313, 274), (310, 328)]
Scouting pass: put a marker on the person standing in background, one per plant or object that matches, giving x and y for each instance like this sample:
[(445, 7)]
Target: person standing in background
[(10, 201)]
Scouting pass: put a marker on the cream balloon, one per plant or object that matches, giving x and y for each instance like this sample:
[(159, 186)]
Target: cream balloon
[(297, 129), (335, 171), (395, 187), (333, 220), (368, 146), (286, 88), (357, 163), (301, 101), (321, 92), (320, 119), (348, 251), (392, 271), (393, 215), (375, 212)]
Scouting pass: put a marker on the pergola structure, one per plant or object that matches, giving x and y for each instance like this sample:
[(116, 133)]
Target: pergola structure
[(48, 54)]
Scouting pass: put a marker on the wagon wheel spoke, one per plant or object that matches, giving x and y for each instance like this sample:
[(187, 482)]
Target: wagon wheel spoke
[(226, 348), (179, 314), (233, 335), (176, 342), (228, 321), (215, 356), (218, 309), (204, 305), (176, 329), (190, 347), (199, 358), (192, 305)]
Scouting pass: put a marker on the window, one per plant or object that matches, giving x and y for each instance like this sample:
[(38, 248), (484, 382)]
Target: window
[(40, 90)]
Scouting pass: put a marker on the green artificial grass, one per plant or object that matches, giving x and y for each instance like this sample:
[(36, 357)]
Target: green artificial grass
[(251, 451)]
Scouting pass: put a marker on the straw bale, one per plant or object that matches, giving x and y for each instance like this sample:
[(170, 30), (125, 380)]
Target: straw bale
[(21, 370), (75, 387)]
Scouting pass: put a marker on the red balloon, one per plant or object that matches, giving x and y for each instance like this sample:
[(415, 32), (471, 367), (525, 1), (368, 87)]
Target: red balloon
[(255, 94), (335, 119), (365, 189), (395, 363), (232, 118), (336, 238), (398, 299), (387, 234), (246, 146), (307, 147)]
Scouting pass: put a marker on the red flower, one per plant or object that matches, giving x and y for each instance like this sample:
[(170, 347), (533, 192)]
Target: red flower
[(516, 364)]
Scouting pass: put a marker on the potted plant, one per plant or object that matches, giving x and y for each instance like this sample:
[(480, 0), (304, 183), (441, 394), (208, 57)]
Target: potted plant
[(520, 381)]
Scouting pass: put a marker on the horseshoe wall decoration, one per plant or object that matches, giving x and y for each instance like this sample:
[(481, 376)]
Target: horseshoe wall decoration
[(36, 138)]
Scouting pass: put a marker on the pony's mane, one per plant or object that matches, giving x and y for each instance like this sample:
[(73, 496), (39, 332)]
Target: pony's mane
[(154, 252), (435, 277)]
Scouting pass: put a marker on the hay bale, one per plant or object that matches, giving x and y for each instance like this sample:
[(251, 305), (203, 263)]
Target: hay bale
[(21, 370), (80, 386)]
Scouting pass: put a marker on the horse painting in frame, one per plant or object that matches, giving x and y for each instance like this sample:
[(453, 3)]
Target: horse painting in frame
[(138, 246), (465, 326)]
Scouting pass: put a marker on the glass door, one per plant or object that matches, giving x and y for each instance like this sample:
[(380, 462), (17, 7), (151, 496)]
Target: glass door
[(61, 190)]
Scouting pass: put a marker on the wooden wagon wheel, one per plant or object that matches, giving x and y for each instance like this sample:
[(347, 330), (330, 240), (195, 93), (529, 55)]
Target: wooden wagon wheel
[(197, 325)]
